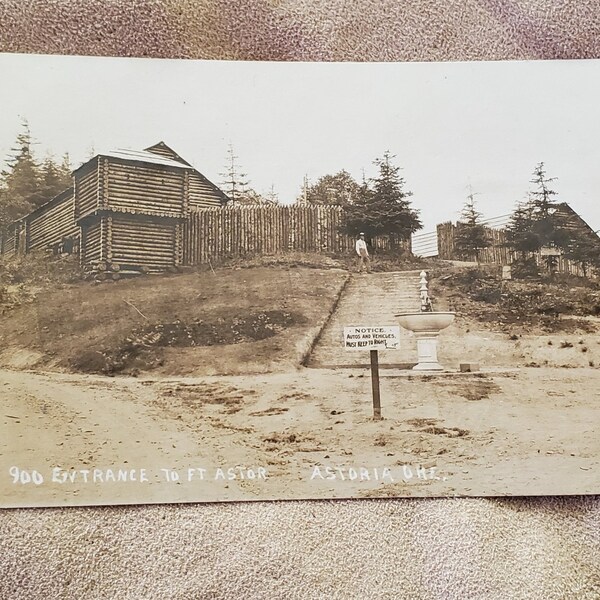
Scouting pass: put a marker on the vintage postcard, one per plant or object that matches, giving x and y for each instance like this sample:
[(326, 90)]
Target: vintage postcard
[(225, 281)]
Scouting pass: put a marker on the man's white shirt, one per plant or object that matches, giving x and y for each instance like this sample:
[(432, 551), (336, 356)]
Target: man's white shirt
[(361, 245)]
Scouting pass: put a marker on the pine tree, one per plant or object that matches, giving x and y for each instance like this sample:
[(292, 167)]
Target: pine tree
[(583, 247), (272, 196), (234, 181), (547, 225), (66, 169), (520, 235), (383, 207), (55, 178), (471, 236), (541, 198), (26, 185), (20, 183), (538, 223)]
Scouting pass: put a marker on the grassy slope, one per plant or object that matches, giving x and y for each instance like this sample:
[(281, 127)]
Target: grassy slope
[(498, 325), (523, 323), (68, 321)]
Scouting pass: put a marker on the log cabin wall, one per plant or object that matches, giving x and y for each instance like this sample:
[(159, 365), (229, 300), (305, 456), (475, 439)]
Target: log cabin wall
[(161, 149), (202, 193), (54, 221), (92, 248), (86, 184), (130, 205), (143, 204), (573, 222), (9, 240), (137, 241), (145, 189)]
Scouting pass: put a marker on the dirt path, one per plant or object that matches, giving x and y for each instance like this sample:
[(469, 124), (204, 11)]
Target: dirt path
[(308, 432)]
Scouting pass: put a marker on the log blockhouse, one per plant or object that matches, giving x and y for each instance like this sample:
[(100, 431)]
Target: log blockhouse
[(125, 208)]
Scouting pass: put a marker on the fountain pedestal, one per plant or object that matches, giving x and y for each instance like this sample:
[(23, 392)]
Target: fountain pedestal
[(426, 327), (427, 344)]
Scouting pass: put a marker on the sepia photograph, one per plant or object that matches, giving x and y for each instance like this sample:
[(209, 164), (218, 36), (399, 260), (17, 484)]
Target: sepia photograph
[(242, 281)]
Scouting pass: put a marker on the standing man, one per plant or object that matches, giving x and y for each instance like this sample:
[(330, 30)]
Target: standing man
[(363, 254)]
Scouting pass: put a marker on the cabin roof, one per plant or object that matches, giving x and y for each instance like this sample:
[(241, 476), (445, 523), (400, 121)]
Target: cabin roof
[(576, 218), (162, 149), (145, 156)]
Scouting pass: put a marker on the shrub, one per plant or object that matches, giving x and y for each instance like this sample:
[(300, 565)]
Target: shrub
[(39, 268), (525, 268)]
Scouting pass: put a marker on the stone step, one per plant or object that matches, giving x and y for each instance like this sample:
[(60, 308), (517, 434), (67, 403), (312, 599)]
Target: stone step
[(372, 299)]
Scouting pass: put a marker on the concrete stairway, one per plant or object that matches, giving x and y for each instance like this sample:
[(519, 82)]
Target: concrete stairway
[(369, 299)]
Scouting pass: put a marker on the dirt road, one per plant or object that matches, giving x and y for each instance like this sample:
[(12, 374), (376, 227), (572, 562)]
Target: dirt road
[(303, 434)]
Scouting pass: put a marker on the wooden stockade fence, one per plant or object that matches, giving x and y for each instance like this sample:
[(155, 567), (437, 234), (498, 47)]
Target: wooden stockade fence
[(240, 230), (497, 253)]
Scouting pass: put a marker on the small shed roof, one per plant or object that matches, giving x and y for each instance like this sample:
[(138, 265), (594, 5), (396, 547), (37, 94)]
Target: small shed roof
[(68, 193)]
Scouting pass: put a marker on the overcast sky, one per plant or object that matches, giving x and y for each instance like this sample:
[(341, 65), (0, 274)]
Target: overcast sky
[(450, 125)]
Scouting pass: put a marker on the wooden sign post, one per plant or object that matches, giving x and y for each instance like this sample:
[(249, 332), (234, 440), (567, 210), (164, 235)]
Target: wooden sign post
[(375, 385), (373, 339)]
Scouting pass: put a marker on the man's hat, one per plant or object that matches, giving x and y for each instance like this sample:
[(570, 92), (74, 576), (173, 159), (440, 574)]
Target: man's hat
[(361, 233)]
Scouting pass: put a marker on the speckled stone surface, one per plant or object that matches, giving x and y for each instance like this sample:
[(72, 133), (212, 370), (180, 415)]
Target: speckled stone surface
[(539, 548), (305, 29)]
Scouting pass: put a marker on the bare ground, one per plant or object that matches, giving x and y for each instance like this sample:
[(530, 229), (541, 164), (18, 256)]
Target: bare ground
[(508, 433)]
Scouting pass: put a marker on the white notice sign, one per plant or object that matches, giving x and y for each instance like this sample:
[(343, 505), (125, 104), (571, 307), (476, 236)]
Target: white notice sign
[(372, 338)]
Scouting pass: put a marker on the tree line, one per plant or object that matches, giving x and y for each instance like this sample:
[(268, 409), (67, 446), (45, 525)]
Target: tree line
[(27, 182), (537, 223), (378, 206)]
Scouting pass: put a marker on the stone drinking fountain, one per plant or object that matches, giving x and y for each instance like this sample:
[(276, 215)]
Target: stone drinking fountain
[(426, 326)]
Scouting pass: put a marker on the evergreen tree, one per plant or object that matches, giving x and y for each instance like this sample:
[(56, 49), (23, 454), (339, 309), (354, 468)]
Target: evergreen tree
[(66, 169), (234, 181), (55, 178), (383, 207), (520, 234), (339, 189), (548, 225), (272, 196), (537, 223), (24, 184), (20, 183), (471, 236), (583, 247), (542, 197)]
